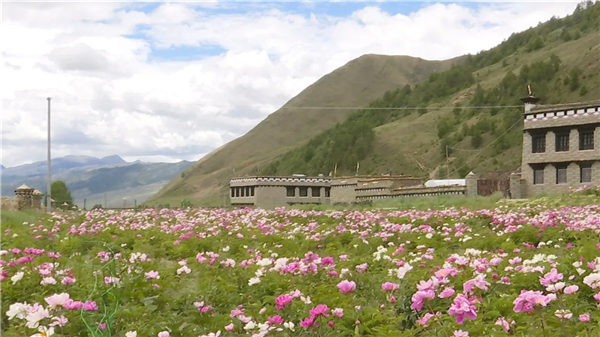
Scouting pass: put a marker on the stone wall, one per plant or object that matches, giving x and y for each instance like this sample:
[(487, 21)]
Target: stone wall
[(9, 204), (20, 203), (548, 121)]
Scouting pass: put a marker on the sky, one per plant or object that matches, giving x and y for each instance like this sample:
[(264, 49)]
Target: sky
[(163, 82)]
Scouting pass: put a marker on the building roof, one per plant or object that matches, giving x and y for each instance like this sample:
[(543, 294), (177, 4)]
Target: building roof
[(445, 182), (22, 187), (568, 106), (37, 192)]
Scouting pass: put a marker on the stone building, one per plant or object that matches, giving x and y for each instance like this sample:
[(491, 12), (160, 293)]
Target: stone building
[(561, 148), (274, 191), (25, 198), (278, 191)]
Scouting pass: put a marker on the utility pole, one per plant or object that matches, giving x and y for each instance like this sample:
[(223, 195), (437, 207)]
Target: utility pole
[(447, 164), (49, 182)]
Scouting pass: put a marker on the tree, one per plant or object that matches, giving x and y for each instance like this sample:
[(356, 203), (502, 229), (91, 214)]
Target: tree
[(476, 140), (60, 193)]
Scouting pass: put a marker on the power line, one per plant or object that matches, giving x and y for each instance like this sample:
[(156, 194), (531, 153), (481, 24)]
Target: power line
[(292, 107), (481, 151)]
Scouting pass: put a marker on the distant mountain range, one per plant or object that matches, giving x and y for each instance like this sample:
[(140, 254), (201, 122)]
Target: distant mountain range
[(110, 181)]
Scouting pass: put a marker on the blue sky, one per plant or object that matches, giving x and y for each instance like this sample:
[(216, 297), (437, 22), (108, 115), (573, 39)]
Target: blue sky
[(319, 8)]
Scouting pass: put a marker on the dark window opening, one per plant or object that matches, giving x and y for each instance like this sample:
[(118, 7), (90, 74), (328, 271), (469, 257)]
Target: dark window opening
[(586, 140), (291, 191), (303, 191), (232, 192), (585, 172), (561, 174), (327, 192), (562, 142), (538, 175), (538, 143), (252, 191), (315, 191)]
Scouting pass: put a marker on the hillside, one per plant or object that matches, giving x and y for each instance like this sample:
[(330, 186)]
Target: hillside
[(357, 83), (96, 178), (559, 58)]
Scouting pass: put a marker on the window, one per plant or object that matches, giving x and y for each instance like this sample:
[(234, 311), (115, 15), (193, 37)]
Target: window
[(304, 191), (561, 173), (562, 142), (538, 143), (233, 192), (586, 140), (252, 191), (538, 175), (585, 172), (316, 191), (291, 191), (327, 192)]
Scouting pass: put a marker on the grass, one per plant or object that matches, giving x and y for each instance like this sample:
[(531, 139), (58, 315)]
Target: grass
[(13, 218)]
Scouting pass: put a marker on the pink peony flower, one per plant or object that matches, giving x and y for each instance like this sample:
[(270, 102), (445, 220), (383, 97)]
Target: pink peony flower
[(308, 322), (463, 307), (418, 299), (282, 301), (59, 321), (72, 305), (320, 309), (423, 320), (479, 282), (152, 275), (448, 292), (563, 314), (346, 286), (275, 319), (163, 334), (584, 318), (57, 300), (504, 323), (528, 298), (460, 333), (388, 286), (552, 277), (571, 289), (338, 312), (229, 327), (90, 306)]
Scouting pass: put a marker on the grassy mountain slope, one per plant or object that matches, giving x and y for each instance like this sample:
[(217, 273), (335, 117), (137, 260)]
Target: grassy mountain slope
[(560, 59), (357, 83)]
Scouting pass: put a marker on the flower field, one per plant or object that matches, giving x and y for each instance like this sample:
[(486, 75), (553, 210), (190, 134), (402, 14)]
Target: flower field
[(527, 271)]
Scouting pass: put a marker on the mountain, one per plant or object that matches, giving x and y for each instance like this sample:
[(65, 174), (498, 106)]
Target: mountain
[(61, 164), (357, 83), (560, 59), (96, 179)]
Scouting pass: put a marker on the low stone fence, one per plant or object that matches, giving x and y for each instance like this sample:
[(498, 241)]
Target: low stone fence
[(418, 192)]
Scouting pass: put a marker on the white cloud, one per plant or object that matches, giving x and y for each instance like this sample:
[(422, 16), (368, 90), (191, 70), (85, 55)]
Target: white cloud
[(113, 95)]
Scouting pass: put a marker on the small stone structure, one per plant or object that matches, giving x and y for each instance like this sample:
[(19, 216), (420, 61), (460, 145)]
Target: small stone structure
[(25, 198), (561, 148), (471, 182)]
